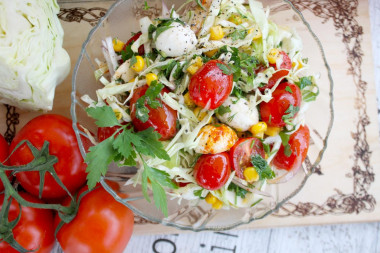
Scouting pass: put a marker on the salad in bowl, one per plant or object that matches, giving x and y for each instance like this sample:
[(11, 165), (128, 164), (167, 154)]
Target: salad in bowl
[(206, 105)]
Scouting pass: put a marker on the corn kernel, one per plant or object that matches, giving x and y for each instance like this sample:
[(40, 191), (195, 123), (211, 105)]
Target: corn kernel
[(188, 101), (132, 80), (192, 69), (139, 65), (299, 65), (118, 114), (273, 55), (198, 61), (211, 199), (200, 114), (211, 53), (251, 175), (150, 78), (217, 205), (118, 45), (257, 32), (216, 33), (236, 19), (272, 131), (258, 129)]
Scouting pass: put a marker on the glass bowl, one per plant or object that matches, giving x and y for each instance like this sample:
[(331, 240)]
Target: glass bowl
[(122, 19)]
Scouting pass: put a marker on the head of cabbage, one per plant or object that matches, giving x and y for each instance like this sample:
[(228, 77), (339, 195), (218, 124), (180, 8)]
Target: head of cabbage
[(32, 60)]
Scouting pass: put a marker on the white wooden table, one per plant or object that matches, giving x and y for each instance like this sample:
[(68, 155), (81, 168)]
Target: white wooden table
[(345, 238)]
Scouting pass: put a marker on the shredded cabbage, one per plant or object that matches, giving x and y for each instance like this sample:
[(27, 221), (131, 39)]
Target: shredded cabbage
[(32, 60)]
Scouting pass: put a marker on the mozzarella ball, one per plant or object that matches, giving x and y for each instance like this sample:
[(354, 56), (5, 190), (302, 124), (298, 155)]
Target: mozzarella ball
[(176, 41), (215, 139), (242, 116)]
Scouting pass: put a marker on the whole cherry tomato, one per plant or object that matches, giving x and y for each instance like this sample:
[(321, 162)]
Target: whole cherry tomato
[(212, 171), (102, 224), (274, 78), (299, 144), (286, 62), (210, 86), (35, 229), (70, 168), (163, 119), (4, 152), (241, 153), (285, 96), (141, 49)]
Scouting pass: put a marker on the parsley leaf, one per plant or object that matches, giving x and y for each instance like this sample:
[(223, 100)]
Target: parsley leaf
[(225, 69), (150, 98), (309, 88), (198, 193), (262, 167), (98, 158), (150, 144), (104, 115), (157, 179), (304, 82), (290, 113), (238, 35), (221, 110), (124, 148), (288, 89), (240, 192), (127, 53)]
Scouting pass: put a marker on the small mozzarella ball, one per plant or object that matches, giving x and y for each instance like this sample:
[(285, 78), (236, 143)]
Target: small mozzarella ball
[(215, 139), (176, 41), (243, 114)]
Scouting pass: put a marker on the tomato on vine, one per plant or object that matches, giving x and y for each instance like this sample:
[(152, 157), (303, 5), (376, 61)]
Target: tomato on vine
[(102, 224), (4, 152), (70, 168), (34, 230)]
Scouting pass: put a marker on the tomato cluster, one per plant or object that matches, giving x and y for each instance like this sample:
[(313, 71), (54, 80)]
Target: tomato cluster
[(97, 211)]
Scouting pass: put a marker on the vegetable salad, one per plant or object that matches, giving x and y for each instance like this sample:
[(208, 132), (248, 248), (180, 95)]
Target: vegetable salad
[(208, 104)]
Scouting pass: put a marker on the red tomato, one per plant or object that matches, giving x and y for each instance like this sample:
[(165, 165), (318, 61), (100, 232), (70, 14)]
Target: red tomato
[(286, 62), (241, 153), (4, 152), (299, 144), (141, 49), (274, 78), (273, 111), (101, 225), (162, 119), (210, 85), (106, 132), (212, 171), (35, 229), (71, 169)]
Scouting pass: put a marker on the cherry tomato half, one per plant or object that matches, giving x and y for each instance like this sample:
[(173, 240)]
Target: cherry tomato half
[(241, 153), (35, 229), (141, 49), (299, 144), (162, 119), (286, 62), (210, 85), (70, 168), (274, 78), (102, 224), (273, 111), (4, 152), (212, 171)]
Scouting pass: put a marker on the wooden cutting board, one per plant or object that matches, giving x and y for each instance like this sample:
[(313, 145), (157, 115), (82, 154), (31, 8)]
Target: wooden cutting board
[(346, 187)]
